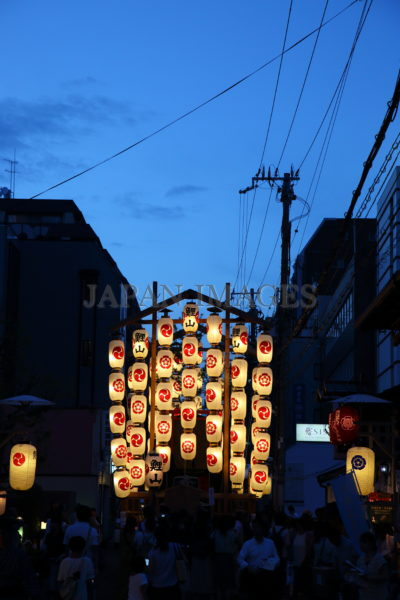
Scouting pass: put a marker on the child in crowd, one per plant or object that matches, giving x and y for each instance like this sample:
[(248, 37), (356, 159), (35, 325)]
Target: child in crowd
[(76, 572), (138, 581)]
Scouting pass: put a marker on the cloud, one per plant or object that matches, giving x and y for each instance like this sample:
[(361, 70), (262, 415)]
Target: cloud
[(135, 208), (183, 190)]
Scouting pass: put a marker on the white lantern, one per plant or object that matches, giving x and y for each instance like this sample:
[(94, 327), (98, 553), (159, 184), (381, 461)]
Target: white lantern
[(263, 412), (164, 363), (199, 354), (165, 453), (137, 470), (214, 362), (188, 414), (262, 445), (165, 331), (176, 388), (238, 437), (239, 372), (238, 405), (214, 459), (188, 445), (130, 378), (264, 381), (116, 386), (122, 483), (214, 329), (254, 399), (164, 395), (190, 317), (268, 487), (361, 461), (140, 343), (240, 339), (117, 418), (254, 460), (116, 354), (154, 470), (137, 440), (255, 429), (22, 466), (3, 502), (190, 348), (254, 379), (189, 382), (264, 348), (119, 451), (214, 428), (140, 375), (214, 395), (163, 428), (259, 477), (237, 469), (138, 408)]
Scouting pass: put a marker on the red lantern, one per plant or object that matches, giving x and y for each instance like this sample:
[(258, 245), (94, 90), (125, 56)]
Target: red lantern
[(343, 425)]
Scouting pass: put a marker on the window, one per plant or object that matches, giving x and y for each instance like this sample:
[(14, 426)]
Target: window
[(342, 319)]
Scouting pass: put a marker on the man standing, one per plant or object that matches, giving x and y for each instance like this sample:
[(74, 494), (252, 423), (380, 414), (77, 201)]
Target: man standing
[(83, 529)]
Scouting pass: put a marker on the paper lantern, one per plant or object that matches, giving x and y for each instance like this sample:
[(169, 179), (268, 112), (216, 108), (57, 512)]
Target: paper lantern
[(237, 437), (259, 477), (343, 425), (214, 329), (254, 460), (117, 418), (176, 388), (165, 453), (238, 405), (214, 428), (137, 471), (119, 451), (239, 372), (263, 413), (140, 375), (138, 408), (254, 399), (163, 428), (264, 348), (262, 445), (122, 483), (177, 363), (22, 466), (164, 395), (188, 445), (237, 469), (254, 379), (137, 440), (190, 349), (214, 459), (154, 470), (116, 386), (214, 395), (214, 362), (189, 382), (165, 331), (188, 414), (264, 381), (268, 487), (240, 339), (254, 430), (140, 343), (116, 354), (3, 502), (200, 354), (361, 461), (164, 363), (190, 317)]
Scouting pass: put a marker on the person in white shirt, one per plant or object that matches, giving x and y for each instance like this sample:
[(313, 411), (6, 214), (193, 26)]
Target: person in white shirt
[(138, 582), (76, 572), (82, 528)]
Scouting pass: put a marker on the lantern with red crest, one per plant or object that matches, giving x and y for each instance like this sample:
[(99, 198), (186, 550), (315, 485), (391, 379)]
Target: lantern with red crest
[(259, 477), (140, 343), (240, 339), (116, 354), (119, 451), (22, 466), (254, 379), (214, 329), (344, 425), (137, 408), (264, 348), (239, 372), (188, 445), (237, 437), (214, 459), (137, 440), (165, 453), (189, 382), (264, 381), (262, 445), (165, 331), (122, 483), (163, 428), (190, 317), (214, 362), (188, 414), (140, 375), (117, 418), (190, 349), (199, 354), (164, 363), (137, 470), (237, 470), (214, 395), (263, 412), (116, 386), (238, 405), (154, 470), (214, 428), (164, 395)]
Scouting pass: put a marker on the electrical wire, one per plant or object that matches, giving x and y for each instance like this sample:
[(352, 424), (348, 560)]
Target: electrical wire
[(271, 258)]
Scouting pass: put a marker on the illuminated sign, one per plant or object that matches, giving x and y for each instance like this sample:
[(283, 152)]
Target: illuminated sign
[(312, 432)]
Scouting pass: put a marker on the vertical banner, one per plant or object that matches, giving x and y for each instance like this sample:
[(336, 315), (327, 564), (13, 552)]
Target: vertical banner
[(351, 507)]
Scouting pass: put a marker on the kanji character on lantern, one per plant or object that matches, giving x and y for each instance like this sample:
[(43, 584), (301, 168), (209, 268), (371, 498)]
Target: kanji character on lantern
[(240, 339), (154, 470), (140, 343), (190, 317), (116, 354)]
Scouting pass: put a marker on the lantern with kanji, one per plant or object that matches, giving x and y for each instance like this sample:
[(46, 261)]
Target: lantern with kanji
[(188, 414), (164, 363), (119, 451), (239, 372), (264, 381), (189, 382), (259, 477), (137, 470), (138, 408), (190, 317), (237, 437), (240, 339), (237, 470), (214, 459), (238, 405), (165, 331), (261, 445), (214, 329), (137, 440), (361, 461), (140, 375), (188, 445), (116, 386), (214, 395), (214, 362), (190, 350), (262, 413), (214, 428), (164, 395), (22, 466), (264, 348), (163, 428), (343, 425), (117, 418), (122, 483), (140, 343), (165, 453), (116, 354), (154, 470)]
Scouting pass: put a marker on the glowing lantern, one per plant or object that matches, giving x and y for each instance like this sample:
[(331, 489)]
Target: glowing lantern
[(268, 487), (254, 379), (343, 425), (138, 408), (154, 470), (263, 413), (255, 398), (137, 440), (214, 428), (214, 459), (239, 372), (190, 317), (264, 348), (140, 375), (264, 381), (140, 343), (262, 445), (255, 429), (22, 466), (116, 354), (259, 477), (361, 461), (119, 451), (237, 437), (163, 428), (176, 388), (240, 339), (214, 395), (137, 470), (165, 331), (122, 483), (130, 378), (117, 418), (200, 354), (164, 363), (188, 445), (188, 414), (116, 386), (254, 460), (3, 502), (164, 395), (237, 469), (214, 362), (189, 382), (165, 453), (190, 350), (214, 329), (238, 405)]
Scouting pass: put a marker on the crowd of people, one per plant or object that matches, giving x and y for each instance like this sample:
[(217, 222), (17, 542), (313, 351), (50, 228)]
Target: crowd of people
[(179, 556)]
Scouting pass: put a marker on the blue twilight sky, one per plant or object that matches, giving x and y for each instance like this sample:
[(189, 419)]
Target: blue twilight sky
[(81, 80)]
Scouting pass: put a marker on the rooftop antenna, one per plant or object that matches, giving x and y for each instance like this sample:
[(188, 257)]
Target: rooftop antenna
[(12, 171)]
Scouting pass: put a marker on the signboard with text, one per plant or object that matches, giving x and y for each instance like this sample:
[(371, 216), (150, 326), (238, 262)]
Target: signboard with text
[(312, 432)]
